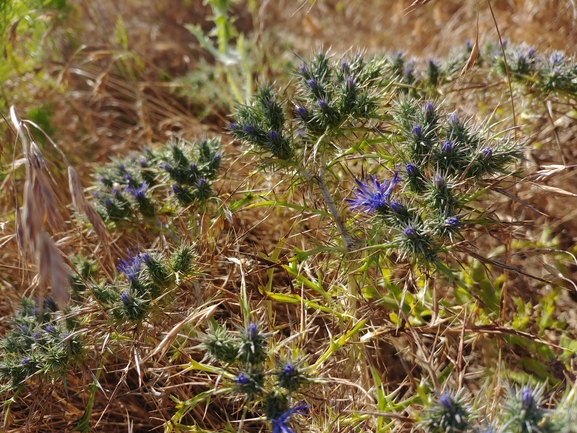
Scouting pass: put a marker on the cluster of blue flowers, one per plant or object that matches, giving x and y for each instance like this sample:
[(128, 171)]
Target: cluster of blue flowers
[(442, 162), (244, 354), (552, 73), (521, 412), (38, 344), (140, 185)]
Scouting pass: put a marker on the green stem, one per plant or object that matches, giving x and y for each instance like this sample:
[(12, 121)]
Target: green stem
[(320, 180)]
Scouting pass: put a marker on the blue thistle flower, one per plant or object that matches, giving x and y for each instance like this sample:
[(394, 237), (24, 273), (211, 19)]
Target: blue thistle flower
[(345, 65), (487, 152), (312, 83), (37, 335), (452, 221), (125, 298), (303, 69), (24, 329), (248, 129), (50, 329), (302, 112), (410, 232), (439, 181), (412, 170), (252, 331), (323, 104), (447, 147), (137, 193), (429, 110), (280, 424), (418, 131), (447, 401), (454, 118), (372, 195), (527, 398), (131, 266), (142, 162), (273, 135), (242, 379), (166, 166), (350, 82), (25, 361), (289, 369), (397, 207), (556, 57), (176, 189)]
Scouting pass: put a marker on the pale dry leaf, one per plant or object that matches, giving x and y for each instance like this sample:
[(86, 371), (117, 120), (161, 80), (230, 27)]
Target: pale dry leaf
[(472, 58), (197, 316), (415, 5)]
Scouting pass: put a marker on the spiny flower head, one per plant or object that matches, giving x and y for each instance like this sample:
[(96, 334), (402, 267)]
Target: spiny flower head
[(290, 377), (131, 266), (449, 415), (137, 193), (373, 195), (280, 424)]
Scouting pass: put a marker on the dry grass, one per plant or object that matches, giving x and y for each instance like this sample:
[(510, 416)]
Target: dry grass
[(110, 102)]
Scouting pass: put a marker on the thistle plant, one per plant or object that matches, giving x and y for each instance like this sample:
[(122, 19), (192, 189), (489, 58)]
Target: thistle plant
[(244, 358), (544, 74), (448, 415), (144, 277), (520, 412), (301, 136), (138, 186), (441, 164), (438, 161), (523, 413), (39, 343)]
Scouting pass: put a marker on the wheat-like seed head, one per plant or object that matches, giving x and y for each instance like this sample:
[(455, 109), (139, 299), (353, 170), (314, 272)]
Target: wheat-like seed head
[(31, 218), (83, 206), (51, 267), (47, 201)]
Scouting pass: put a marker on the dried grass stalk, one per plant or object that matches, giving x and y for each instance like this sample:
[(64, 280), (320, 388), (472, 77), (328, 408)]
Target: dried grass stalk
[(82, 206), (76, 190), (51, 267), (36, 158), (45, 195), (31, 218)]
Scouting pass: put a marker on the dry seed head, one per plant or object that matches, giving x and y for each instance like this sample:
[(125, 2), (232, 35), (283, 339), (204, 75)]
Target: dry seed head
[(82, 206), (76, 190), (36, 159), (47, 200), (51, 266), (31, 217), (97, 224)]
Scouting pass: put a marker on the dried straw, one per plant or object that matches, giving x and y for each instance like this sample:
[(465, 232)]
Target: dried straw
[(83, 206), (51, 267)]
